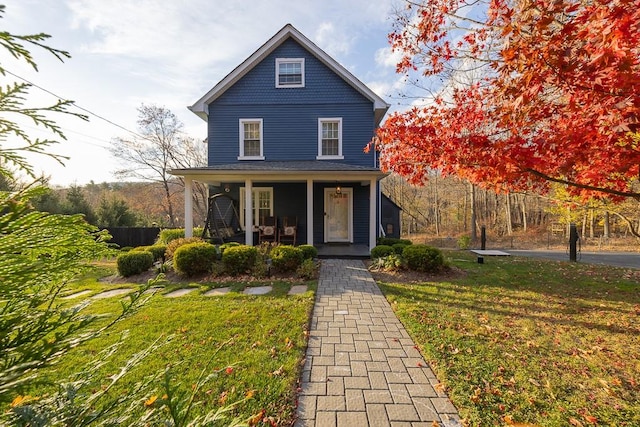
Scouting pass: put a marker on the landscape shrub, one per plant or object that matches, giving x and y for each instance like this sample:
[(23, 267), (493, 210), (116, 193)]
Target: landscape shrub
[(224, 246), (423, 258), (176, 243), (399, 247), (168, 234), (158, 250), (390, 241), (381, 251), (286, 258), (194, 258), (308, 269), (134, 262), (308, 251), (391, 262), (239, 259), (464, 242)]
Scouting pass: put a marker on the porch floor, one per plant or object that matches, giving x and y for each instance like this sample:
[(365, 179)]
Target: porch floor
[(343, 251)]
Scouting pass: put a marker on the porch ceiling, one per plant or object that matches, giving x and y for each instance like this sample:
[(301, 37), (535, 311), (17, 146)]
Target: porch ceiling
[(281, 171)]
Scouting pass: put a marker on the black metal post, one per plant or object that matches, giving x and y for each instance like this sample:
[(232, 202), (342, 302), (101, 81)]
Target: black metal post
[(483, 237), (573, 243)]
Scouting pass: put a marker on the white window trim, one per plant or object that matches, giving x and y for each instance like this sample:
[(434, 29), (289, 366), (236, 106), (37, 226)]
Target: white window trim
[(241, 139), (331, 157), (286, 60), (256, 209)]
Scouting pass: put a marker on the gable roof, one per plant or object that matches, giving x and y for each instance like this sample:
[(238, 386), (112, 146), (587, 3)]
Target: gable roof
[(288, 31)]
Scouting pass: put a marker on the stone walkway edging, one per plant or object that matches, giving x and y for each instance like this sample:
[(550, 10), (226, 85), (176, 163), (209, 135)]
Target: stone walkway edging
[(362, 368)]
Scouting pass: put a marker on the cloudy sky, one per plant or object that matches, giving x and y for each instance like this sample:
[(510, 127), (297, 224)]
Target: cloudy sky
[(169, 53)]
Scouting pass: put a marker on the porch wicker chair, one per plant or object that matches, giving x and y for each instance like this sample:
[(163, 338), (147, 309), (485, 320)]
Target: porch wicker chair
[(268, 230), (288, 230)]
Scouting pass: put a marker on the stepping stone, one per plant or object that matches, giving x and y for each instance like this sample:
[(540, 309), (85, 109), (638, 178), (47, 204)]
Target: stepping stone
[(153, 289), (258, 290), (77, 294), (297, 290), (216, 292), (179, 292), (112, 293)]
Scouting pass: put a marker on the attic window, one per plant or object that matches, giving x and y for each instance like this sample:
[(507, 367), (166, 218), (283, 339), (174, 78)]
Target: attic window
[(289, 72)]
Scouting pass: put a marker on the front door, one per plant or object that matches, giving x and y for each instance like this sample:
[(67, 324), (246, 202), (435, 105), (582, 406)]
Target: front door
[(338, 215)]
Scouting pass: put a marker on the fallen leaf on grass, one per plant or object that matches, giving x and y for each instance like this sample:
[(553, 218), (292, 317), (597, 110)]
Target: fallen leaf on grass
[(575, 422), (150, 401)]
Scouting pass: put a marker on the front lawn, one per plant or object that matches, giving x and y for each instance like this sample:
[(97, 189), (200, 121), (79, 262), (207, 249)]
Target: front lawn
[(253, 346), (518, 340)]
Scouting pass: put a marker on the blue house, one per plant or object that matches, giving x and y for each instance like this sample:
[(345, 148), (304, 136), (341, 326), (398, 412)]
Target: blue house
[(286, 132)]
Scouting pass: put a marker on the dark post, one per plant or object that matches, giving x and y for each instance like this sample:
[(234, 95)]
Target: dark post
[(483, 237), (573, 243)]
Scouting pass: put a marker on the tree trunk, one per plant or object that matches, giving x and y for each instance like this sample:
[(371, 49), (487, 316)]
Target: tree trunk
[(509, 225), (523, 207), (606, 224), (167, 194), (436, 203), (474, 234)]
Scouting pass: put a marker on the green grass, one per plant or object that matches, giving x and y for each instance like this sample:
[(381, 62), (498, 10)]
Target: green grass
[(261, 337), (531, 341)]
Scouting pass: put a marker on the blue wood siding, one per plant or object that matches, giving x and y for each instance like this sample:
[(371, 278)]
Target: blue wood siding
[(290, 115)]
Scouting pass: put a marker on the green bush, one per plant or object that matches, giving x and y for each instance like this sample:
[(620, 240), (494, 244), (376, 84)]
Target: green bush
[(228, 245), (423, 258), (308, 269), (286, 258), (239, 259), (381, 251), (158, 250), (390, 241), (308, 251), (392, 262), (169, 234), (134, 262), (464, 242), (399, 247), (194, 258), (176, 243)]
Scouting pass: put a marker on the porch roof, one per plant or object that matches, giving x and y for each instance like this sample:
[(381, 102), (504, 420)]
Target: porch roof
[(282, 170)]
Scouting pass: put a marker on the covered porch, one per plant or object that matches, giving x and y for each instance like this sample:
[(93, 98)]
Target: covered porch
[(336, 205)]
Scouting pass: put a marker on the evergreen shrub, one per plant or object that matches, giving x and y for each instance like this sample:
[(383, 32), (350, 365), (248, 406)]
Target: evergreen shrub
[(381, 251), (286, 258), (308, 251), (134, 262), (239, 259), (423, 258), (194, 258)]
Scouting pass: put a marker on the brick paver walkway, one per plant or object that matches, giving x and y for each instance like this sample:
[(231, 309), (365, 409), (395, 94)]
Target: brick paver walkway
[(362, 368)]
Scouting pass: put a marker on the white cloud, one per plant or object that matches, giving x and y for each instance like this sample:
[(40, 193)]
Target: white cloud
[(385, 57), (335, 41)]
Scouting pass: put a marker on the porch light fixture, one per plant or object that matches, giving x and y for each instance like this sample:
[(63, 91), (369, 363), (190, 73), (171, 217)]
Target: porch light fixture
[(226, 188), (338, 189)]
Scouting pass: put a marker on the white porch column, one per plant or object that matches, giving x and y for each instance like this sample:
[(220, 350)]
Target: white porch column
[(309, 212), (373, 205), (188, 207), (248, 212)]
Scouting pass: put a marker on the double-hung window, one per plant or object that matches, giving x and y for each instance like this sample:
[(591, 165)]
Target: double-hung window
[(289, 72), (262, 204), (330, 138), (251, 139)]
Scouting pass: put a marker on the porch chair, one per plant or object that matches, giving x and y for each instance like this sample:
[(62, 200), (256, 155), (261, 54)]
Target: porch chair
[(288, 230), (268, 230)]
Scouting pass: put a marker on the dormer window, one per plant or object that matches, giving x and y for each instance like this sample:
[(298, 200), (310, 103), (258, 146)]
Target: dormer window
[(289, 72)]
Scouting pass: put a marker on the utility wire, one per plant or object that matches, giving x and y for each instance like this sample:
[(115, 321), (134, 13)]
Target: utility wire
[(75, 105)]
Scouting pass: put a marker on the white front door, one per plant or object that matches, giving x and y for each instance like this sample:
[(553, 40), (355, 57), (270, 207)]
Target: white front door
[(338, 215)]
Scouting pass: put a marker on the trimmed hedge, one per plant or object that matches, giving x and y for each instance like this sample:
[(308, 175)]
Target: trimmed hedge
[(239, 259), (381, 251), (176, 243), (423, 258), (158, 250), (194, 258), (399, 247), (286, 258), (390, 241), (134, 262), (168, 234), (309, 251)]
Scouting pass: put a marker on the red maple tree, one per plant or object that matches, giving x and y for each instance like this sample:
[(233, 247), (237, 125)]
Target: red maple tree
[(558, 99)]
